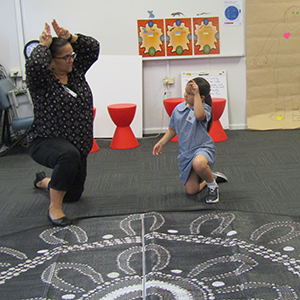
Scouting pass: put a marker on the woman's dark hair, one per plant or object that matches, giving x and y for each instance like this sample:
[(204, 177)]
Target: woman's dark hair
[(56, 45), (204, 89)]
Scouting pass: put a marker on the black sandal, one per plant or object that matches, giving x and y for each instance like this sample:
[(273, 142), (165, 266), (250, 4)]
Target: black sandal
[(64, 221), (39, 177)]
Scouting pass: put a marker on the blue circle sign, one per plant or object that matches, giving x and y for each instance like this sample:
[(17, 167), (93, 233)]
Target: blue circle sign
[(231, 13)]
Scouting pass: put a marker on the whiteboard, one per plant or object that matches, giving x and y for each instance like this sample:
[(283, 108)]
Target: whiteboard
[(218, 86), (114, 23)]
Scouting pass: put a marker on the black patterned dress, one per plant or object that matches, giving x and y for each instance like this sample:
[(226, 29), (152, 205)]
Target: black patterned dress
[(57, 112)]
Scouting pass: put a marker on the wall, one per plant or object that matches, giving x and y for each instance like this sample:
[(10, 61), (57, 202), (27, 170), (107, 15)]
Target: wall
[(9, 46), (154, 117), (155, 71), (115, 22)]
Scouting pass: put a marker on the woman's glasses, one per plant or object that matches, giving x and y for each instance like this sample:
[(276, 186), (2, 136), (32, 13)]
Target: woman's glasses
[(67, 58)]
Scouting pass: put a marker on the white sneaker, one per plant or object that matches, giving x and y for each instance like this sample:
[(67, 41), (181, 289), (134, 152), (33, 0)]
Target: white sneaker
[(219, 177), (212, 195)]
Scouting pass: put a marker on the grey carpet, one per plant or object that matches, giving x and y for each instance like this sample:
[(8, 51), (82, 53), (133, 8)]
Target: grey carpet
[(262, 168), (261, 198)]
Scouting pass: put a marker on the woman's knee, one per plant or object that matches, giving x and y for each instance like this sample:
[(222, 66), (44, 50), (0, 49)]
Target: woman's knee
[(70, 158), (51, 152), (73, 194)]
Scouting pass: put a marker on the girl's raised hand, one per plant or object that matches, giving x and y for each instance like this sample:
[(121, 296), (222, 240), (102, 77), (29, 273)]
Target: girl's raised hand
[(194, 87), (60, 31), (46, 37)]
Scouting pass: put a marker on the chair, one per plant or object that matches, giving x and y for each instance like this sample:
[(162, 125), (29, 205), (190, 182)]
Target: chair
[(17, 112), (95, 147), (170, 104), (122, 115), (216, 131)]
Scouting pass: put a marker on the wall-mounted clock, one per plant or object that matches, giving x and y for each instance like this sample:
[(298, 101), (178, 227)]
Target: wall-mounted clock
[(29, 47)]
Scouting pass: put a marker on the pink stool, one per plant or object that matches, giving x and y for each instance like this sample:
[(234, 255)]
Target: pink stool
[(122, 115), (216, 131), (95, 147), (170, 104)]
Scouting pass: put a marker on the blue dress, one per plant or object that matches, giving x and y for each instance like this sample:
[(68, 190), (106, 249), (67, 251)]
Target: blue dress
[(193, 138)]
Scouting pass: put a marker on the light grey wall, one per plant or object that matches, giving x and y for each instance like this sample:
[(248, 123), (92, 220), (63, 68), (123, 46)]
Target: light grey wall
[(153, 89), (9, 47), (154, 117)]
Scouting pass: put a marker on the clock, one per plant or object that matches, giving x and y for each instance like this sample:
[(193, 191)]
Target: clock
[(29, 47)]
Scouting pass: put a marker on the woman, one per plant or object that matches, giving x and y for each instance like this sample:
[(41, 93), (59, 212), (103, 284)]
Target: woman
[(61, 135)]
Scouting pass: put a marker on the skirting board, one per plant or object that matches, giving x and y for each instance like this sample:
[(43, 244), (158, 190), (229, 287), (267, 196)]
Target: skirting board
[(164, 129)]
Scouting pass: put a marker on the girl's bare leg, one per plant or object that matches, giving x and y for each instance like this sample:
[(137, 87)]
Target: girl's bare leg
[(200, 169), (192, 185)]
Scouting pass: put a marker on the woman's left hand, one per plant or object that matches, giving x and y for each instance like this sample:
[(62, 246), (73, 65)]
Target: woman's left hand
[(60, 31)]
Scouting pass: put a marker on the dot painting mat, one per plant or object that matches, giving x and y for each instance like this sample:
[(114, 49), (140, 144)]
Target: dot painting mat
[(170, 255)]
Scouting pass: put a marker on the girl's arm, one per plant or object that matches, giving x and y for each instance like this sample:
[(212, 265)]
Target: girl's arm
[(198, 108), (157, 149), (198, 102)]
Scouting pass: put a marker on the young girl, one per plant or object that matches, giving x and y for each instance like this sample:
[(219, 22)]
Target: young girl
[(191, 121)]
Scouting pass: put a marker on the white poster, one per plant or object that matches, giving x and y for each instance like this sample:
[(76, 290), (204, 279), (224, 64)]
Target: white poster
[(218, 87), (233, 12)]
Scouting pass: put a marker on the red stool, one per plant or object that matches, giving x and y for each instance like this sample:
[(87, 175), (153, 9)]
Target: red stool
[(170, 104), (122, 115), (216, 131), (95, 147)]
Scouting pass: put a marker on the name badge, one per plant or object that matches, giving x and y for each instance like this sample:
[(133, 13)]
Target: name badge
[(70, 92), (191, 116)]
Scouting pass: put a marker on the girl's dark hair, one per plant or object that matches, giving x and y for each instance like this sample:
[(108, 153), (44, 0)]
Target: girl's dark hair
[(56, 45), (204, 89)]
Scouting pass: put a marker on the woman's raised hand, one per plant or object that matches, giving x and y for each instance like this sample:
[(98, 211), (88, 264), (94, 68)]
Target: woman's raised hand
[(60, 31), (46, 37)]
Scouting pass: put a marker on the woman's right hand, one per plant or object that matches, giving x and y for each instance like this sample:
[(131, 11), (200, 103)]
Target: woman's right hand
[(46, 37), (61, 32)]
